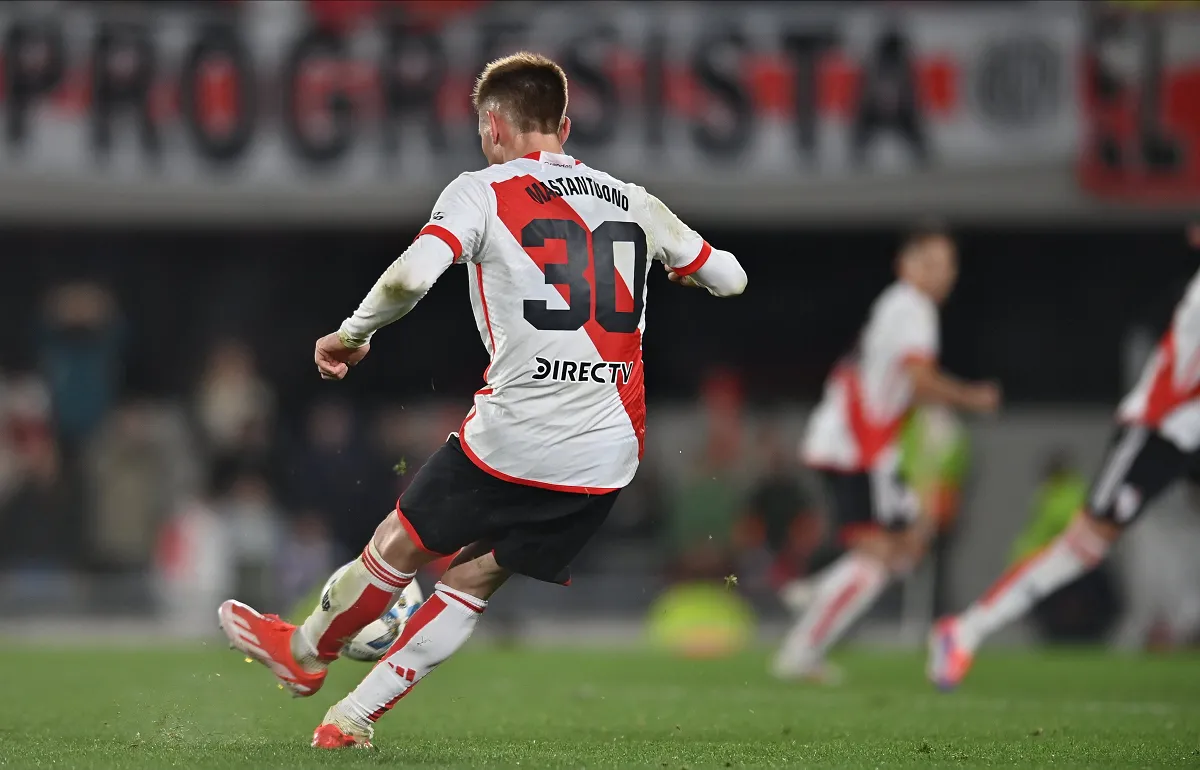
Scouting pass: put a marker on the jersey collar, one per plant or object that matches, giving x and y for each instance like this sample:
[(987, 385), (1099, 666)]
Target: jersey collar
[(553, 158)]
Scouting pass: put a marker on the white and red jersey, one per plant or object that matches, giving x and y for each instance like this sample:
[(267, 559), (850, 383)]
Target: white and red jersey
[(869, 393), (558, 255), (1167, 397)]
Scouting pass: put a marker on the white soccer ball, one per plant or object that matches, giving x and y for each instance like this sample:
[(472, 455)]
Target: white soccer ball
[(369, 644)]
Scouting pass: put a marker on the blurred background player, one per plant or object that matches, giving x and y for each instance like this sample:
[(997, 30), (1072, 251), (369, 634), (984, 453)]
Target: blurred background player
[(852, 441), (1155, 443), (1081, 611), (935, 460), (556, 432)]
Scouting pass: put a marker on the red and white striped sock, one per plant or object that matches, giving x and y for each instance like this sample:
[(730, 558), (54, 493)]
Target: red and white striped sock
[(367, 589), (434, 632), (846, 590), (1070, 555)]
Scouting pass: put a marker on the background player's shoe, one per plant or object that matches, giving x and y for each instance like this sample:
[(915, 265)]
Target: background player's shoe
[(821, 672), (338, 732), (268, 640), (949, 658), (796, 595)]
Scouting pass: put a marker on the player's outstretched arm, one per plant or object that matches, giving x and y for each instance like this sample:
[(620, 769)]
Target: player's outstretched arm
[(454, 230), (396, 292), (931, 384), (721, 274), (688, 258)]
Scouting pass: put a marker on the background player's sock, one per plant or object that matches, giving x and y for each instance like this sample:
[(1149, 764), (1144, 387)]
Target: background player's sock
[(847, 589), (444, 622), (365, 591), (1069, 556)]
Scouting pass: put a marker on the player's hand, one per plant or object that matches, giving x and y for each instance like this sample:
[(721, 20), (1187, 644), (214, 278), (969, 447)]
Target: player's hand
[(334, 359), (984, 397), (1193, 233), (682, 280)]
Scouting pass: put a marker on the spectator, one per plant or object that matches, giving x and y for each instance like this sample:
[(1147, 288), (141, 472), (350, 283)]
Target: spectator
[(306, 558), (334, 479), (703, 515), (80, 348), (780, 517), (398, 450), (132, 473), (9, 473), (194, 566), (638, 514), (38, 515), (235, 407), (629, 540), (247, 511)]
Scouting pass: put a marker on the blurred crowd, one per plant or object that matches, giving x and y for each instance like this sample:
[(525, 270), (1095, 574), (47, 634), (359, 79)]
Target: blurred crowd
[(218, 491), (116, 503)]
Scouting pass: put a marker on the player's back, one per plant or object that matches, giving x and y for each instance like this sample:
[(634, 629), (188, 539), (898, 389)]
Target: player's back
[(1167, 395), (868, 393), (558, 286)]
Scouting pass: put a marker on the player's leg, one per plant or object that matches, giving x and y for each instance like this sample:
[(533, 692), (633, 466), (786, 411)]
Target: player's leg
[(435, 632), (1140, 464), (363, 593), (533, 532), (876, 513), (370, 585), (300, 655)]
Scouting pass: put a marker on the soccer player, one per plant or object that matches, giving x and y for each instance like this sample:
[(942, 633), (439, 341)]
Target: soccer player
[(852, 440), (1156, 440), (556, 255)]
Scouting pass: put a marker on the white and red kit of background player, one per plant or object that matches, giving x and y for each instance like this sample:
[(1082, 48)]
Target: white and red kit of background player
[(1158, 437), (868, 394), (1167, 397), (581, 426), (851, 440)]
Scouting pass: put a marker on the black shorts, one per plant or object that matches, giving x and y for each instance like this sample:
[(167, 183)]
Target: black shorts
[(868, 500), (452, 503), (1139, 465)]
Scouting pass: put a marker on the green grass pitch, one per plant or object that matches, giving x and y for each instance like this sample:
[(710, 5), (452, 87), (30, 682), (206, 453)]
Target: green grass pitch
[(95, 708)]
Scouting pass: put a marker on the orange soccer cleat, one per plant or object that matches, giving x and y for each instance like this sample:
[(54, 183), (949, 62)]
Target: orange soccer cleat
[(268, 640), (335, 732), (949, 658)]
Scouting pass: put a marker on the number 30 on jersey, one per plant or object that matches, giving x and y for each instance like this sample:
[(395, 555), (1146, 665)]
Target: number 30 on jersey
[(572, 274)]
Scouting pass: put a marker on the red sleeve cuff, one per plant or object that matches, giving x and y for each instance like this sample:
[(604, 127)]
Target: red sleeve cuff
[(697, 263), (446, 236)]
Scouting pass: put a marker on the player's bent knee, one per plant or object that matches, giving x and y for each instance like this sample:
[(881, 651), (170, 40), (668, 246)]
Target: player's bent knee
[(914, 543), (397, 547), (1109, 531), (480, 576), (876, 544), (898, 552)]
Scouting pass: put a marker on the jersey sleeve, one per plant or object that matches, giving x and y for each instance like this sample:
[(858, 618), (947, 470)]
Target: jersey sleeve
[(398, 290), (460, 217), (670, 241), (916, 329)]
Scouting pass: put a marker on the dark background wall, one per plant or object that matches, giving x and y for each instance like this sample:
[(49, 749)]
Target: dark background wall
[(1042, 310)]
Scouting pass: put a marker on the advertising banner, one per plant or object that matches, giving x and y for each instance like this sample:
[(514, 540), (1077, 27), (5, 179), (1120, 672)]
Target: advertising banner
[(736, 104), (1142, 103)]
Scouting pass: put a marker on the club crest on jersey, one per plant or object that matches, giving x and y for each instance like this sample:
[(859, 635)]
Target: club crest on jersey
[(601, 372)]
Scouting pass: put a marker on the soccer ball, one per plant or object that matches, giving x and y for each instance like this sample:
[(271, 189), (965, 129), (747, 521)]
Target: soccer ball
[(369, 644)]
